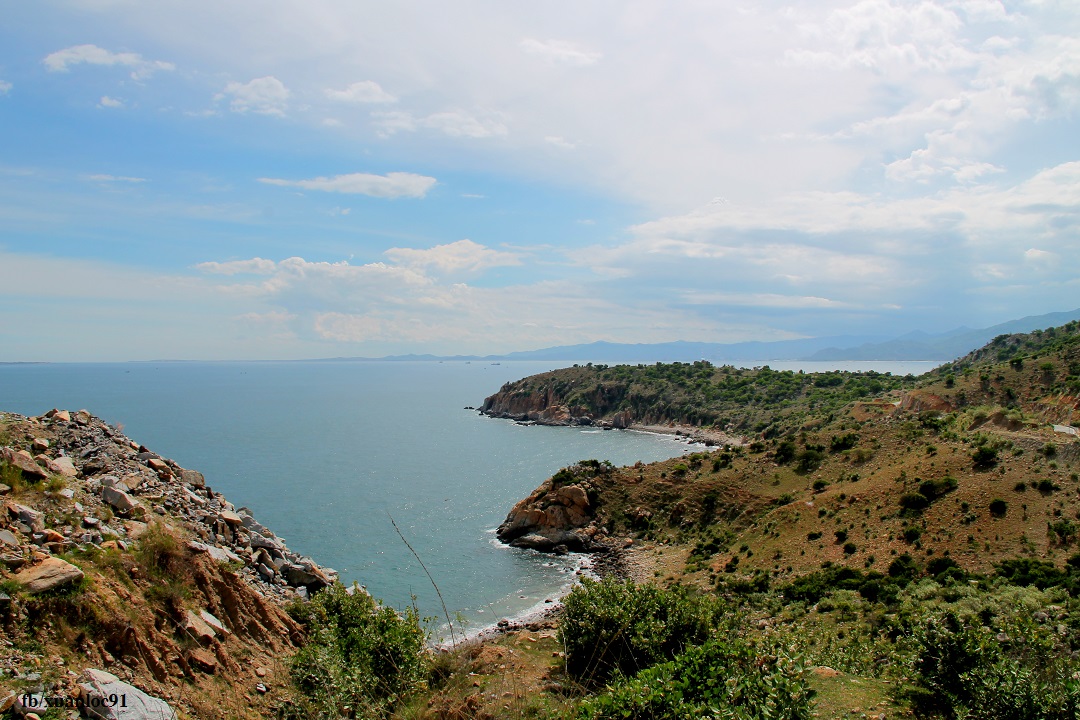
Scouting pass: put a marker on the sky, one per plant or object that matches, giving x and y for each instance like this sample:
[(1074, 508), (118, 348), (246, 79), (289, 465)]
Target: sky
[(275, 179)]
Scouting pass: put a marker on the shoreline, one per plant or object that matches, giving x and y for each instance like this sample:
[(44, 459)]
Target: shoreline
[(692, 434), (614, 562)]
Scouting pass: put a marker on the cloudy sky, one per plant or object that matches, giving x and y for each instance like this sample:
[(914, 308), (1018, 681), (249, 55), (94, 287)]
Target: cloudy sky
[(283, 179)]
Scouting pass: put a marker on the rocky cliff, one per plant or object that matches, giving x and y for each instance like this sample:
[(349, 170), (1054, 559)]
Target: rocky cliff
[(113, 557), (559, 516)]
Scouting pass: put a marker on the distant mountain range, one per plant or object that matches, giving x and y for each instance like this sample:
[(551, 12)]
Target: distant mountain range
[(913, 346), (946, 346)]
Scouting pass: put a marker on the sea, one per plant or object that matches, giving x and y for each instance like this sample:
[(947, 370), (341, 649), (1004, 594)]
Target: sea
[(332, 454)]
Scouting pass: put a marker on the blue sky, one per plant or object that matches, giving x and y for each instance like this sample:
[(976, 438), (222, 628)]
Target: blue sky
[(259, 180)]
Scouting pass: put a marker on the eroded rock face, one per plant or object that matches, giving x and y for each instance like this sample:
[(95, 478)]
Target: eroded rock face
[(555, 517)]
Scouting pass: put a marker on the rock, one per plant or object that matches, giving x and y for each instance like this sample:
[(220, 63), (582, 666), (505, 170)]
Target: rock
[(260, 672), (202, 660), (118, 499), (27, 516), (67, 493), (8, 538), (100, 686), (192, 477), (82, 417), (22, 460), (158, 465), (52, 536), (7, 700), (220, 555), (197, 629), (39, 445), (49, 574), (231, 518), (59, 415), (825, 671), (261, 688), (28, 704), (4, 489), (310, 577), (62, 465), (213, 622)]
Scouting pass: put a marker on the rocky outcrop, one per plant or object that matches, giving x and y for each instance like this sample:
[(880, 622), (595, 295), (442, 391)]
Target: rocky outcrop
[(109, 471), (211, 617), (558, 516)]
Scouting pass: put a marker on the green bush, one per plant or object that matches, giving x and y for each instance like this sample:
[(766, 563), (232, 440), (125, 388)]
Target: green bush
[(721, 679), (610, 626), (998, 507), (359, 654)]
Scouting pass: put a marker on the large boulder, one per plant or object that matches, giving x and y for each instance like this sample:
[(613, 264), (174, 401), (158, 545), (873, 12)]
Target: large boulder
[(99, 690), (21, 459), (62, 465), (27, 516), (50, 574), (118, 499)]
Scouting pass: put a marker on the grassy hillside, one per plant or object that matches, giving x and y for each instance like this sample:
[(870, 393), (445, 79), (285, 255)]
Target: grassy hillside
[(894, 545)]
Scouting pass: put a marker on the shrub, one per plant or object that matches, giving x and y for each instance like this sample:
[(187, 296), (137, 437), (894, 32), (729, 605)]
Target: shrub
[(722, 679), (841, 535), (914, 502), (839, 443), (610, 626), (850, 549), (785, 452), (912, 534), (809, 460), (934, 489), (998, 507), (359, 654), (984, 457)]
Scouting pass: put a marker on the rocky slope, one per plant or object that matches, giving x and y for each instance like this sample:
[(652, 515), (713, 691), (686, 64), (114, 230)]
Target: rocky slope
[(115, 558)]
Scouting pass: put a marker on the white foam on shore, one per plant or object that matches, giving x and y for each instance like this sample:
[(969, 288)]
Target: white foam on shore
[(579, 568)]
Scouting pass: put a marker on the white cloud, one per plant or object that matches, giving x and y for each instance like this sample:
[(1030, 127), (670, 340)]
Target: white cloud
[(463, 255), (108, 102), (559, 141), (115, 178), (265, 96), (254, 266), (455, 123), (560, 52), (5, 87), (62, 60), (392, 185), (367, 91)]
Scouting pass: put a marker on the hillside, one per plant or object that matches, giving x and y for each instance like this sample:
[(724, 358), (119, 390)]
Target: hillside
[(123, 573), (848, 525)]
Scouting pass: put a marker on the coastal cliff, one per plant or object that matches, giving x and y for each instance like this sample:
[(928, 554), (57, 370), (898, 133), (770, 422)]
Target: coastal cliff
[(122, 572)]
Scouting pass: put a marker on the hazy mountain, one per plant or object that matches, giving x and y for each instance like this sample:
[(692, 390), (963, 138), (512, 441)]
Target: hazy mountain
[(943, 346)]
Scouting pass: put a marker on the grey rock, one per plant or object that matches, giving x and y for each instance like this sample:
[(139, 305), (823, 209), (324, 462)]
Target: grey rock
[(62, 466), (100, 686), (118, 499), (8, 538), (51, 573), (29, 517), (192, 477)]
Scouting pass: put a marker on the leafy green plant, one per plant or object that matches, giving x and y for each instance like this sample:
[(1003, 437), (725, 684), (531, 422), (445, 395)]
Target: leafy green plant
[(610, 626), (360, 659), (722, 679)]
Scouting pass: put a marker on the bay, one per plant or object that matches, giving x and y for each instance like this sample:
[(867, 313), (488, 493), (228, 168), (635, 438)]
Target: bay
[(326, 453)]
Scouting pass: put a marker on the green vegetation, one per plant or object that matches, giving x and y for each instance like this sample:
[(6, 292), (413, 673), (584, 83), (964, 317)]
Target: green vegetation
[(361, 659)]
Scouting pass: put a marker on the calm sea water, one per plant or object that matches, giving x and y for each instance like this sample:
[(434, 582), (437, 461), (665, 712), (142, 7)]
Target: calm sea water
[(325, 453)]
